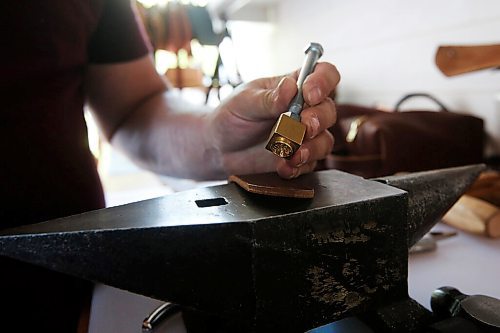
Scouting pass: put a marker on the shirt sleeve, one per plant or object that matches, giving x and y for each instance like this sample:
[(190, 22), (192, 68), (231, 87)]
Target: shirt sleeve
[(120, 35)]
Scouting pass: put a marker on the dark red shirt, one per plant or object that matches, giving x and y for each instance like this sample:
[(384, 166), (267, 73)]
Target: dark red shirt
[(46, 168)]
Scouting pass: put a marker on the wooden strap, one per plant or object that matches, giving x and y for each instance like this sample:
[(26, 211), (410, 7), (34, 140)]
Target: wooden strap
[(454, 60)]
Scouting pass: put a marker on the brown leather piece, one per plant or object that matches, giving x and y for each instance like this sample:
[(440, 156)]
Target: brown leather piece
[(273, 185)]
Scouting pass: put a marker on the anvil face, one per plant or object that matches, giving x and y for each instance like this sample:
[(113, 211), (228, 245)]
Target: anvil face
[(260, 263)]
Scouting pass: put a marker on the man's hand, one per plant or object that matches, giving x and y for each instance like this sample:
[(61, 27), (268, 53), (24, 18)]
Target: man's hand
[(135, 113), (239, 127)]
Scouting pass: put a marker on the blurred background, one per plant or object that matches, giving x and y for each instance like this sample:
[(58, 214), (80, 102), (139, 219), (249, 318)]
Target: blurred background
[(383, 49)]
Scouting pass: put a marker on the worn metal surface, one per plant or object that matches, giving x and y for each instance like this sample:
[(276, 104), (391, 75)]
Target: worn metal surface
[(402, 316), (260, 263), (431, 194)]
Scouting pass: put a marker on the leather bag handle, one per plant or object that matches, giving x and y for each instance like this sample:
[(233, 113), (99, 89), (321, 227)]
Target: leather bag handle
[(432, 98)]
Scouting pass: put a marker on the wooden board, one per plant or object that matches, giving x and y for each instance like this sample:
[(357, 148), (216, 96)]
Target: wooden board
[(273, 185), (475, 216)]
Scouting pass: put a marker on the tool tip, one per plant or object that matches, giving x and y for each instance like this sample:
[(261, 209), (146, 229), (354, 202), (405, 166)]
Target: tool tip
[(315, 47)]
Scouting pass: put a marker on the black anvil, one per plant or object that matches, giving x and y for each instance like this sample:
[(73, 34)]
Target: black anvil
[(261, 264)]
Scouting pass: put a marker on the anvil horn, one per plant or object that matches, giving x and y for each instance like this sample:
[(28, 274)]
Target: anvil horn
[(260, 263), (431, 194)]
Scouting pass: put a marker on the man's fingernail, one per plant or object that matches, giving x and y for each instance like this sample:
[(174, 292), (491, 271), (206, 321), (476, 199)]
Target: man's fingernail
[(314, 96), (304, 156), (295, 173), (314, 125), (277, 89)]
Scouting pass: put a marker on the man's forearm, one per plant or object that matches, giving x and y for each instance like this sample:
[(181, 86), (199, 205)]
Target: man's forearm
[(168, 142)]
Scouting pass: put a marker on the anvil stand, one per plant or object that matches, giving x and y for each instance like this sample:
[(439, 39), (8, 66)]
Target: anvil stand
[(260, 264)]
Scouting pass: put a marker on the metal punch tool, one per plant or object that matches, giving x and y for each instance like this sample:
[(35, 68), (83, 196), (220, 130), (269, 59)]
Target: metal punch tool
[(288, 133)]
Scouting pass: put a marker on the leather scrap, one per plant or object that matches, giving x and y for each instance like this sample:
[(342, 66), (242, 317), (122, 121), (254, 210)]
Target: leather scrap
[(273, 185)]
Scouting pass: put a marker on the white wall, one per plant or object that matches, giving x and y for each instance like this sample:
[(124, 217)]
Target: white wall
[(385, 49), (252, 42)]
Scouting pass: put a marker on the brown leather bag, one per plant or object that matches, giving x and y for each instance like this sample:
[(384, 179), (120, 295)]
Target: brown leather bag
[(373, 143)]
